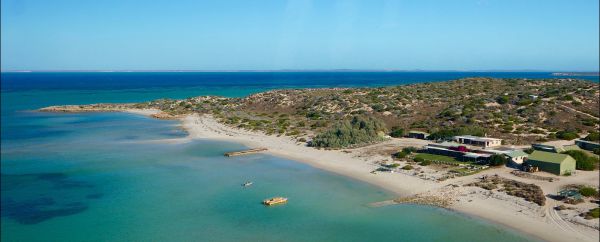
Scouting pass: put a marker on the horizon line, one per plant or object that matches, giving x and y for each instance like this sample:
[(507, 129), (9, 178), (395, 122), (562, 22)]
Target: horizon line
[(305, 70)]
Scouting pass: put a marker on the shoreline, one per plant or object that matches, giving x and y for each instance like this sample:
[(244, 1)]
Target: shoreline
[(533, 221), (504, 213)]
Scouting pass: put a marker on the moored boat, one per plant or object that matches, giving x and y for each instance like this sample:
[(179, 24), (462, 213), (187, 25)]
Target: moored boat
[(275, 200)]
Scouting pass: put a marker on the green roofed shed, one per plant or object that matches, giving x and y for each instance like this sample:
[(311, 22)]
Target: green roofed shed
[(558, 164)]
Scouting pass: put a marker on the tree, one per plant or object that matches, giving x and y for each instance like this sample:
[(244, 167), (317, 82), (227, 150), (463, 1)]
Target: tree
[(397, 132), (497, 160)]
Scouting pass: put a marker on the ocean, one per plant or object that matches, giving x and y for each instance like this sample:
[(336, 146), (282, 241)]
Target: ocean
[(112, 177)]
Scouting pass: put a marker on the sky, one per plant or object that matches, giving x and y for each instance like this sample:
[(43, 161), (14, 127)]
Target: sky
[(544, 35)]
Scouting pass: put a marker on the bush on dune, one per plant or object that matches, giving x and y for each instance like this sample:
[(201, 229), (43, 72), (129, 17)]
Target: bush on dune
[(349, 133)]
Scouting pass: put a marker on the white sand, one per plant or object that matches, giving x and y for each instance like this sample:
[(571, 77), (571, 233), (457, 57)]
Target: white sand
[(334, 161), (539, 221), (146, 112)]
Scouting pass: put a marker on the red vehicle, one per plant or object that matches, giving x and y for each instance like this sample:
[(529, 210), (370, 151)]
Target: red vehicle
[(461, 148)]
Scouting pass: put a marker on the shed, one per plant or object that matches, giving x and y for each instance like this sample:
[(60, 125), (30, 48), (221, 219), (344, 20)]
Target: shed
[(517, 156), (558, 164), (548, 148), (587, 145), (417, 134)]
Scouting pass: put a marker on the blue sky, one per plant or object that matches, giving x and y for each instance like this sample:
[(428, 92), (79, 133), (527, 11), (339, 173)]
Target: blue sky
[(556, 35)]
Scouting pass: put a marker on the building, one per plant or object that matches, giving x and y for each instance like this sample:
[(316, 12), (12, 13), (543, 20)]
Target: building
[(417, 134), (457, 151), (476, 157), (555, 163), (517, 156), (554, 148), (478, 141), (436, 150), (587, 145)]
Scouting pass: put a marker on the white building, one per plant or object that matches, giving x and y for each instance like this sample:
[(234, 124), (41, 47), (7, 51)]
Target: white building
[(478, 141)]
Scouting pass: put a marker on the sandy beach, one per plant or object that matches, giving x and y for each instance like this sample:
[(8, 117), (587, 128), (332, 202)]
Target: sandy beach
[(542, 222), (538, 221)]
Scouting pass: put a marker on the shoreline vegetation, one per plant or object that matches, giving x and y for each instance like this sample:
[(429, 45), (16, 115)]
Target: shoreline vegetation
[(351, 127)]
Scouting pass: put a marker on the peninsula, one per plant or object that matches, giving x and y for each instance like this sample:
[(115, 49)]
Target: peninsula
[(392, 137)]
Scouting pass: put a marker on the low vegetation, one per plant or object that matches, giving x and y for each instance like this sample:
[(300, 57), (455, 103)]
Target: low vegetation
[(520, 111), (588, 191), (439, 158), (592, 213), (497, 160), (407, 167), (355, 132), (530, 192), (593, 136), (566, 135)]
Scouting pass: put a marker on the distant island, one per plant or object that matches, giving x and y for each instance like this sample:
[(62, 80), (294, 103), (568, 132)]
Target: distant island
[(576, 74)]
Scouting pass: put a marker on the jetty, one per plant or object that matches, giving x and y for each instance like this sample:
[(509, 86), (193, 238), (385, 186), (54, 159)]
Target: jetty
[(245, 152)]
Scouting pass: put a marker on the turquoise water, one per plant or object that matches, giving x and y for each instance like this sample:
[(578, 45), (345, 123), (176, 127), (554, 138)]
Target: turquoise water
[(109, 177)]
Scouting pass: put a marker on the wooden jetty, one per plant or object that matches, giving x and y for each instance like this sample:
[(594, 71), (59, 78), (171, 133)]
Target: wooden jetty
[(245, 152)]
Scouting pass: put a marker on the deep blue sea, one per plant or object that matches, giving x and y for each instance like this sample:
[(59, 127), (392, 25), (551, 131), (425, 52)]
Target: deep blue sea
[(112, 177)]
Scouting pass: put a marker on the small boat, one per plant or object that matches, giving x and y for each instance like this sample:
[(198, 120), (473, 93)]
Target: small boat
[(275, 201), (247, 184)]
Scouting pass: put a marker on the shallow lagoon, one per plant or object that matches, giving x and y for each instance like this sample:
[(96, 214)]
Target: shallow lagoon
[(109, 177)]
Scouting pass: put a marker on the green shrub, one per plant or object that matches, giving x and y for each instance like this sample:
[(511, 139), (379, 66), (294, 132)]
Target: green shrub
[(583, 160), (588, 191), (407, 167), (424, 162), (419, 159), (400, 155), (593, 213), (397, 132), (497, 160), (313, 115), (502, 99), (378, 107), (409, 150), (567, 97), (566, 135), (593, 136), (358, 131), (524, 101)]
